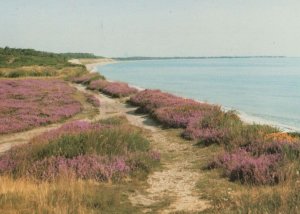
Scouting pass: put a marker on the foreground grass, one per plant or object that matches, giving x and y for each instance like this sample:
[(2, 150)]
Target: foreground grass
[(45, 177), (64, 196)]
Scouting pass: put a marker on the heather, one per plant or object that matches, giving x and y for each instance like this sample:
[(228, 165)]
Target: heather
[(150, 100), (118, 89), (28, 103), (114, 89), (180, 115), (242, 166), (93, 100), (97, 85), (170, 110), (84, 150), (227, 129), (85, 79)]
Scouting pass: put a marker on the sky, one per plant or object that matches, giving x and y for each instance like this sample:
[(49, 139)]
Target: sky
[(153, 27)]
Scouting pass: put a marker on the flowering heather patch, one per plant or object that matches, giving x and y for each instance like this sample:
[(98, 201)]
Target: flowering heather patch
[(119, 89), (242, 166), (82, 166), (100, 168), (227, 129), (82, 150), (212, 131), (115, 89), (290, 151), (28, 103), (207, 135), (74, 127), (182, 113), (90, 98), (87, 78), (150, 100), (97, 85)]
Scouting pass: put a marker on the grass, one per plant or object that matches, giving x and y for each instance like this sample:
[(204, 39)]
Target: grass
[(64, 196), (15, 63), (86, 150), (109, 139)]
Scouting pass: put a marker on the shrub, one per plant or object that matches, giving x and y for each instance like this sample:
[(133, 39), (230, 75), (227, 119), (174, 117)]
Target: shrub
[(149, 100), (118, 89), (83, 150), (87, 78), (28, 103), (287, 150), (114, 89), (226, 128), (215, 126), (97, 85), (92, 99), (242, 166), (181, 114), (83, 166), (281, 137)]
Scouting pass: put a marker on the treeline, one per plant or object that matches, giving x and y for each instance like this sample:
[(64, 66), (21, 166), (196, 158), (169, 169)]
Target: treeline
[(16, 57), (81, 55)]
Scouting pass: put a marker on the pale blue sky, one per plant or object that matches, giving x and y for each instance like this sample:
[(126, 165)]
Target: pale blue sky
[(153, 27)]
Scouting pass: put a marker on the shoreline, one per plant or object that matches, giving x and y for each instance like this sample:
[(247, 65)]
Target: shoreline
[(91, 64), (243, 116)]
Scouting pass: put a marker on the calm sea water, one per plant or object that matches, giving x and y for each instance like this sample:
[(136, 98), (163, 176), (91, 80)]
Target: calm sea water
[(264, 90)]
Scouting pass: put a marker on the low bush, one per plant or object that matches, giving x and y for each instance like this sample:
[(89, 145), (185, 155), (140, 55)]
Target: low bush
[(114, 89), (28, 103), (118, 89), (227, 129), (182, 113), (266, 162), (82, 150), (242, 166), (97, 85), (150, 100), (87, 78), (93, 100)]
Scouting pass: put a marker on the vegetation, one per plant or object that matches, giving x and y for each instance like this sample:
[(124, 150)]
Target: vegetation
[(255, 154), (80, 55), (14, 57), (28, 62), (93, 100), (85, 167), (78, 152), (114, 89), (28, 103)]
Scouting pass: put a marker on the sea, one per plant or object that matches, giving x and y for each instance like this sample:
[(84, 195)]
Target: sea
[(263, 90)]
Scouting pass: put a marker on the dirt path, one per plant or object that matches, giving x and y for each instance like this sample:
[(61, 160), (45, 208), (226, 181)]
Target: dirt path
[(7, 141), (175, 183), (173, 186)]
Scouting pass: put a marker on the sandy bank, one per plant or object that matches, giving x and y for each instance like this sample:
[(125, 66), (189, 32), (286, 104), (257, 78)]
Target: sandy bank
[(90, 64)]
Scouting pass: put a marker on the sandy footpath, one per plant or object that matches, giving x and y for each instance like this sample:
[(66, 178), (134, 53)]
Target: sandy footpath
[(177, 180)]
